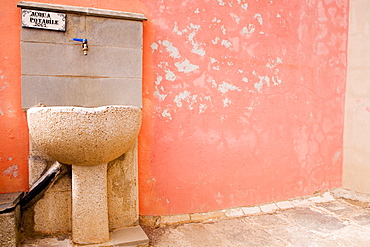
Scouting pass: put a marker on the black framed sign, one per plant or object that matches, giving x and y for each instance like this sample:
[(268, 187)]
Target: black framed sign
[(43, 20)]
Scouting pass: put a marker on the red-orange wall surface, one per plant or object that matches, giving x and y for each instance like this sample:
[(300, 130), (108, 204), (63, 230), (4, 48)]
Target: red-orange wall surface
[(242, 100), (13, 127)]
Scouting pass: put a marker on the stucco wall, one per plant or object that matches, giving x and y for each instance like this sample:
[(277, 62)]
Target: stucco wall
[(242, 100), (248, 103), (356, 164), (13, 127)]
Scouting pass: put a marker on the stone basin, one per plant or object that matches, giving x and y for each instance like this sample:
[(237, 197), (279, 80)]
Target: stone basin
[(84, 136)]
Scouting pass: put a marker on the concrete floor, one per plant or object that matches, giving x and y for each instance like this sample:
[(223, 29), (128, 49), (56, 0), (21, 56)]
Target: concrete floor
[(339, 218), (344, 221)]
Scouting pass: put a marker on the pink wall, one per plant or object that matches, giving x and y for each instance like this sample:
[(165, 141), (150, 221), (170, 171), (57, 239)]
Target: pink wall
[(248, 103), (243, 100)]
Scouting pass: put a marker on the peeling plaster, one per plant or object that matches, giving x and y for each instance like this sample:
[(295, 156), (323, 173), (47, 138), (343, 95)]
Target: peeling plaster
[(276, 80), (208, 98), (166, 114), (224, 87), (223, 29), (221, 3), (154, 47), (262, 80), (244, 6), (226, 43), (215, 40), (11, 171), (180, 97), (259, 18), (186, 97), (197, 49), (248, 30), (226, 102), (202, 108), (177, 31), (186, 66), (158, 89), (216, 20), (235, 17), (174, 52), (258, 86), (163, 65), (170, 76), (273, 63), (215, 67)]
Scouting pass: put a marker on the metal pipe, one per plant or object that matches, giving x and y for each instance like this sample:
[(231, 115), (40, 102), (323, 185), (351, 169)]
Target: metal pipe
[(38, 189)]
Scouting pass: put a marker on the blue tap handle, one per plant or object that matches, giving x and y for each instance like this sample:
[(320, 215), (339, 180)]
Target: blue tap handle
[(80, 40)]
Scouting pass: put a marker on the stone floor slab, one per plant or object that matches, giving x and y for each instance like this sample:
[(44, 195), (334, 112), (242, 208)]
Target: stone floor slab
[(313, 220), (332, 223)]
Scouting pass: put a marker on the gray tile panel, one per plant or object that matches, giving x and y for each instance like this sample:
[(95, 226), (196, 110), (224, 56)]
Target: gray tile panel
[(80, 91), (57, 59)]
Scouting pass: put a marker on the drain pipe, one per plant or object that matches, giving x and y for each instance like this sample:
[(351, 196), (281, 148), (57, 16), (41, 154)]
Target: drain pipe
[(38, 189)]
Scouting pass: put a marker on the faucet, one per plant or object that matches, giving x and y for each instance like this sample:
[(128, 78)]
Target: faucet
[(85, 48)]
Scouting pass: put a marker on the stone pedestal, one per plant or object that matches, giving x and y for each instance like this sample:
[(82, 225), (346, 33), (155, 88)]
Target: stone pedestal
[(9, 228), (89, 204)]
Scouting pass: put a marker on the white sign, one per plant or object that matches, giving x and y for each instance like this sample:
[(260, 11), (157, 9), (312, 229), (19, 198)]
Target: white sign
[(43, 19)]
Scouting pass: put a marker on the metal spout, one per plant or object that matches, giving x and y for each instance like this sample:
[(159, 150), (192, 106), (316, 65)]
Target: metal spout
[(85, 47)]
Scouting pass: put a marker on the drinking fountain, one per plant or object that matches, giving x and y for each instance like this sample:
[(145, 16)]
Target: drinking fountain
[(87, 139)]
